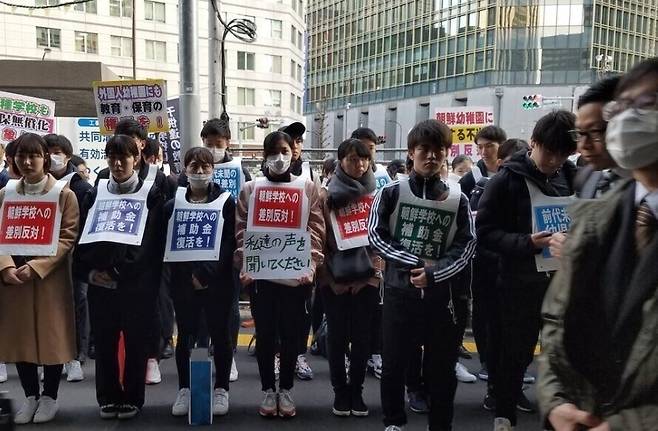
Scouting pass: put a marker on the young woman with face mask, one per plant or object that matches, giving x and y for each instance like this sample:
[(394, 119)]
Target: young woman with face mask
[(278, 306), (350, 298), (202, 284), (121, 265), (36, 292)]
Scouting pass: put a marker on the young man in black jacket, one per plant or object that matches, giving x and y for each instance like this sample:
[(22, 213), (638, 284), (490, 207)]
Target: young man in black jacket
[(422, 227), (488, 139), (61, 151), (505, 226)]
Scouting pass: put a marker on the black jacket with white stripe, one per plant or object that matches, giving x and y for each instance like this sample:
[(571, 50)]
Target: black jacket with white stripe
[(451, 268)]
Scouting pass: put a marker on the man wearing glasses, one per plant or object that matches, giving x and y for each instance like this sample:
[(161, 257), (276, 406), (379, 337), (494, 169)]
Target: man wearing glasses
[(599, 363)]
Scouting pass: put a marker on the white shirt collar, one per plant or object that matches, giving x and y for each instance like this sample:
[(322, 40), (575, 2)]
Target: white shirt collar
[(641, 193)]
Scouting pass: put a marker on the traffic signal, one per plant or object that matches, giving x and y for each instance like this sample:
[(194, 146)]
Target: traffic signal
[(263, 123), (532, 101)]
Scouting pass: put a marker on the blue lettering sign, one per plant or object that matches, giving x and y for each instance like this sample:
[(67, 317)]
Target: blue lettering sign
[(194, 230), (117, 216)]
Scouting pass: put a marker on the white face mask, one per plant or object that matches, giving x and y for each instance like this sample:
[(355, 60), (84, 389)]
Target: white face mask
[(199, 181), (57, 162), (279, 164), (632, 138), (218, 154)]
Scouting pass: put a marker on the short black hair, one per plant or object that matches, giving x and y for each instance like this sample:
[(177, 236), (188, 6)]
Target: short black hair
[(328, 166), (552, 132), (201, 154), (492, 133), (121, 145), (60, 141), (459, 160), (511, 146), (637, 74), (432, 132), (216, 127), (152, 148), (357, 145), (602, 91), (273, 138), (365, 133), (10, 149), (31, 143), (132, 128), (395, 167), (77, 160)]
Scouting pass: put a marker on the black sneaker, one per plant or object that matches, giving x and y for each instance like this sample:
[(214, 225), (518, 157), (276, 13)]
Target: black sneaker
[(524, 405), (342, 402), (168, 351), (127, 411), (489, 403), (109, 411), (483, 374), (417, 402), (463, 353), (359, 408)]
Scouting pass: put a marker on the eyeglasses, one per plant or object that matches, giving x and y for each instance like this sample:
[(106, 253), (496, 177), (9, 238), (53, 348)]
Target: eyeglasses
[(643, 102), (594, 135)]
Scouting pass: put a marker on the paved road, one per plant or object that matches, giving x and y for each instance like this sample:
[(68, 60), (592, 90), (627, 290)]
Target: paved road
[(78, 409)]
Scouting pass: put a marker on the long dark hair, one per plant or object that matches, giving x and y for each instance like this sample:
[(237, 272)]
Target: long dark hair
[(30, 143)]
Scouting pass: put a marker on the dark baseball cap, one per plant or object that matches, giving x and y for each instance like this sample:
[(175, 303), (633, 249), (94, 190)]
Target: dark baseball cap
[(294, 130)]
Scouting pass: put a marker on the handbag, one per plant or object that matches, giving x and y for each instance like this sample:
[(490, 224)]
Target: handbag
[(350, 265)]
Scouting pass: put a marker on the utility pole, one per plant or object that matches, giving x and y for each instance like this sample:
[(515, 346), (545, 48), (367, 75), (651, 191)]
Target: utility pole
[(214, 61), (189, 75), (134, 41)]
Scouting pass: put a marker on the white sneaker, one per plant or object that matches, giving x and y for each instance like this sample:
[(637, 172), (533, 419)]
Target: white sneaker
[(3, 372), (393, 428), (375, 365), (277, 366), (234, 372), (463, 375), (153, 376), (182, 404), (74, 371), (26, 412), (220, 402), (46, 411), (502, 424)]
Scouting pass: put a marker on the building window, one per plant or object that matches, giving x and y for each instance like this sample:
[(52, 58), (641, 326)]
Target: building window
[(121, 46), (300, 42), (121, 8), (292, 103), (273, 98), (86, 42), (48, 37), (46, 2), (156, 50), (276, 28), (300, 78), (273, 63), (299, 105), (88, 7), (154, 11), (246, 60), (246, 96), (293, 68), (294, 5), (246, 131), (293, 35)]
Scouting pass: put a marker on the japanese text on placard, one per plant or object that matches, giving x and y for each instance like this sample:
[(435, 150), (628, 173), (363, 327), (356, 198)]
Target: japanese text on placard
[(28, 223), (228, 178), (279, 207), (118, 216), (194, 229), (277, 255), (423, 231), (352, 220)]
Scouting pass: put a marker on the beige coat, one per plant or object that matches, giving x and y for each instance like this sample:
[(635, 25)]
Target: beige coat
[(37, 318)]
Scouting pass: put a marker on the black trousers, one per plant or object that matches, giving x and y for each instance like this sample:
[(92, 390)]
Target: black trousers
[(28, 374), (214, 307), (407, 323), (307, 324), (349, 320), (134, 314), (234, 314), (485, 272), (519, 320), (82, 330), (166, 307), (278, 310)]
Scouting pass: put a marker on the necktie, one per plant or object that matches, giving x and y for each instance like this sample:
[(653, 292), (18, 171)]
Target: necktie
[(645, 227)]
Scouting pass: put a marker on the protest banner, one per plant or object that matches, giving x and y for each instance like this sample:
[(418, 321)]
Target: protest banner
[(87, 141), (29, 224), (170, 141), (143, 100), (278, 206), (465, 122), (277, 256), (229, 176), (23, 114), (350, 224)]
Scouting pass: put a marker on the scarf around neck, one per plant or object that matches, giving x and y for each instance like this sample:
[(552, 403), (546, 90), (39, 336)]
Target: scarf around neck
[(128, 186)]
